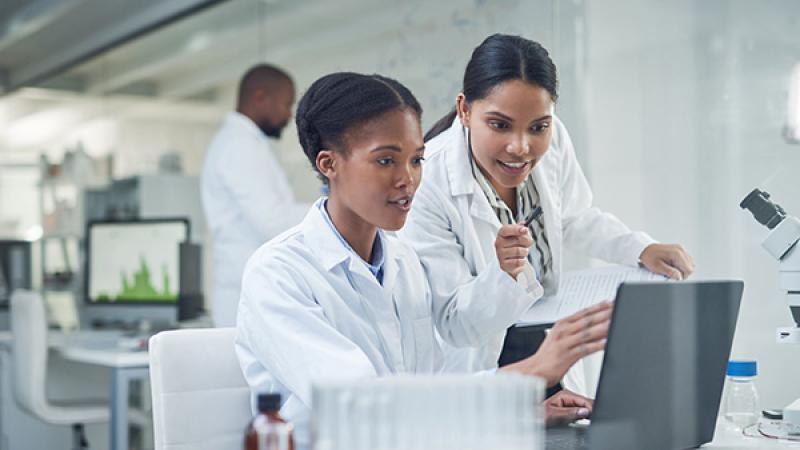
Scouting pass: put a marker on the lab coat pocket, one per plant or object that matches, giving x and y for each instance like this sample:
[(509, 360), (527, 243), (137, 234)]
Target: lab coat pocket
[(424, 345)]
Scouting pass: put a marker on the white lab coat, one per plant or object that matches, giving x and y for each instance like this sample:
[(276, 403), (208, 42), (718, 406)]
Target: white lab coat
[(247, 201), (453, 228), (311, 310)]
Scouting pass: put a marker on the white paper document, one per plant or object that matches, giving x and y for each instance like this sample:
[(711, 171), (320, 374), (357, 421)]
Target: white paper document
[(581, 289)]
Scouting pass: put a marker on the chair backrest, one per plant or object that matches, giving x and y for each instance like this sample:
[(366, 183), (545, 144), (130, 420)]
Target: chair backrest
[(200, 398), (29, 360)]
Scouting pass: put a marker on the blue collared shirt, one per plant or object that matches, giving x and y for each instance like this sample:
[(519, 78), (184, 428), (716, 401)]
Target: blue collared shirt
[(375, 266)]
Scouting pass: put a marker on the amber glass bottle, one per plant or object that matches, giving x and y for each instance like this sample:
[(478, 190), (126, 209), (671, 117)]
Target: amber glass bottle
[(268, 430)]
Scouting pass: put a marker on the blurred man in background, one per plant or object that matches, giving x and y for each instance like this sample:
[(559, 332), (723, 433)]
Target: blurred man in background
[(246, 195)]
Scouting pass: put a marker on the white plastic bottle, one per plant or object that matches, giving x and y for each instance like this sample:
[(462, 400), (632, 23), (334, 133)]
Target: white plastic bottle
[(741, 401)]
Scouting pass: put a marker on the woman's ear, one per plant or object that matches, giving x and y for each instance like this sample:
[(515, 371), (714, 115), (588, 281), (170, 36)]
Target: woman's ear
[(326, 163), (462, 109)]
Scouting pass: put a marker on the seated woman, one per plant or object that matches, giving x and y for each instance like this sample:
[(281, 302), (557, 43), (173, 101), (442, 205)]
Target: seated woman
[(336, 296)]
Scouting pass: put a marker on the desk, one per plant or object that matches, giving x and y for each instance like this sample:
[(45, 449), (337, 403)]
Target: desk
[(726, 438), (125, 366)]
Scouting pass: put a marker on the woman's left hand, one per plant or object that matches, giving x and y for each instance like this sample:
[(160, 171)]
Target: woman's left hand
[(670, 260), (566, 407)]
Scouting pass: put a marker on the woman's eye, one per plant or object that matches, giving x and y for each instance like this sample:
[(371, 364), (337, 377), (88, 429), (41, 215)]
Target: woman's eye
[(385, 161), (498, 125), (418, 161), (538, 128)]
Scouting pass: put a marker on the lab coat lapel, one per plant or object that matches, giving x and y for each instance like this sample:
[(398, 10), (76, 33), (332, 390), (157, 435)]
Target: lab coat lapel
[(369, 285), (395, 254), (550, 208), (480, 209), (381, 298), (332, 253), (462, 183), (404, 308), (365, 281), (480, 222), (360, 289), (321, 237), (390, 265)]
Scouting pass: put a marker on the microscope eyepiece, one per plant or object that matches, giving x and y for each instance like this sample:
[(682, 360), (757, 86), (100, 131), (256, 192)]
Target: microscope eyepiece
[(766, 213)]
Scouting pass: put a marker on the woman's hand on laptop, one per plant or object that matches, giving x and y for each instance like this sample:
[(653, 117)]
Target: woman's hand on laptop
[(566, 407), (570, 339)]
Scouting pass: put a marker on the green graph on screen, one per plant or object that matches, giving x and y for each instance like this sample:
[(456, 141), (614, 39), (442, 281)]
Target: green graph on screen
[(139, 286)]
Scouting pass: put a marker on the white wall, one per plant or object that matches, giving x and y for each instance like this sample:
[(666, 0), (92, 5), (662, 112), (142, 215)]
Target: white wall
[(686, 101)]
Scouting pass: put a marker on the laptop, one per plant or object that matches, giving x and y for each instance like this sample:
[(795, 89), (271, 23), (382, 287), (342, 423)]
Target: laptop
[(664, 368)]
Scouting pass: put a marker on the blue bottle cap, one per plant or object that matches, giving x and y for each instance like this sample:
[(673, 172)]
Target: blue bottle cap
[(742, 369)]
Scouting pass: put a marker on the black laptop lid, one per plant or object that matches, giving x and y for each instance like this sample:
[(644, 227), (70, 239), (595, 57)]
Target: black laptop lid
[(664, 366)]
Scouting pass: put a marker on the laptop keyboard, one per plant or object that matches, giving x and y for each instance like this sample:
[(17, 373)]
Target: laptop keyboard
[(566, 438)]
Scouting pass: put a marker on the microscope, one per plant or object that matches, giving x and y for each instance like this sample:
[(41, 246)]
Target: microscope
[(782, 244)]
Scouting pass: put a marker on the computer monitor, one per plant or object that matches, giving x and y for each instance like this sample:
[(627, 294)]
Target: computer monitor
[(133, 270)]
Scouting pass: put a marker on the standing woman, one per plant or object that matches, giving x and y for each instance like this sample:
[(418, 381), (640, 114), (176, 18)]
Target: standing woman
[(491, 163), (336, 296)]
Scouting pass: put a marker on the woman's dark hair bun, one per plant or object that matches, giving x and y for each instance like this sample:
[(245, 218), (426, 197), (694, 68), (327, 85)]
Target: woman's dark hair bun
[(338, 101)]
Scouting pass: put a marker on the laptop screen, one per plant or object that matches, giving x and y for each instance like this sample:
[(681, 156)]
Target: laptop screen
[(664, 366)]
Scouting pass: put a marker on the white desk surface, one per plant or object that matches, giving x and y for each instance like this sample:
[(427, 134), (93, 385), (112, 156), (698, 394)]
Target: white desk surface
[(108, 358), (106, 355), (97, 348), (727, 439)]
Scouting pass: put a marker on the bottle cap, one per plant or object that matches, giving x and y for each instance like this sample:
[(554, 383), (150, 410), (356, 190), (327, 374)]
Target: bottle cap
[(742, 369), (269, 402)]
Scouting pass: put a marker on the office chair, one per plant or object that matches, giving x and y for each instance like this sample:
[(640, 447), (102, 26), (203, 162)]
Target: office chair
[(29, 327), (200, 398)]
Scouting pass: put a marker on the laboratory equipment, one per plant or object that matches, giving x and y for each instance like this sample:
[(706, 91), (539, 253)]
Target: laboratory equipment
[(148, 197), (458, 412), (781, 243), (741, 398), (268, 430)]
